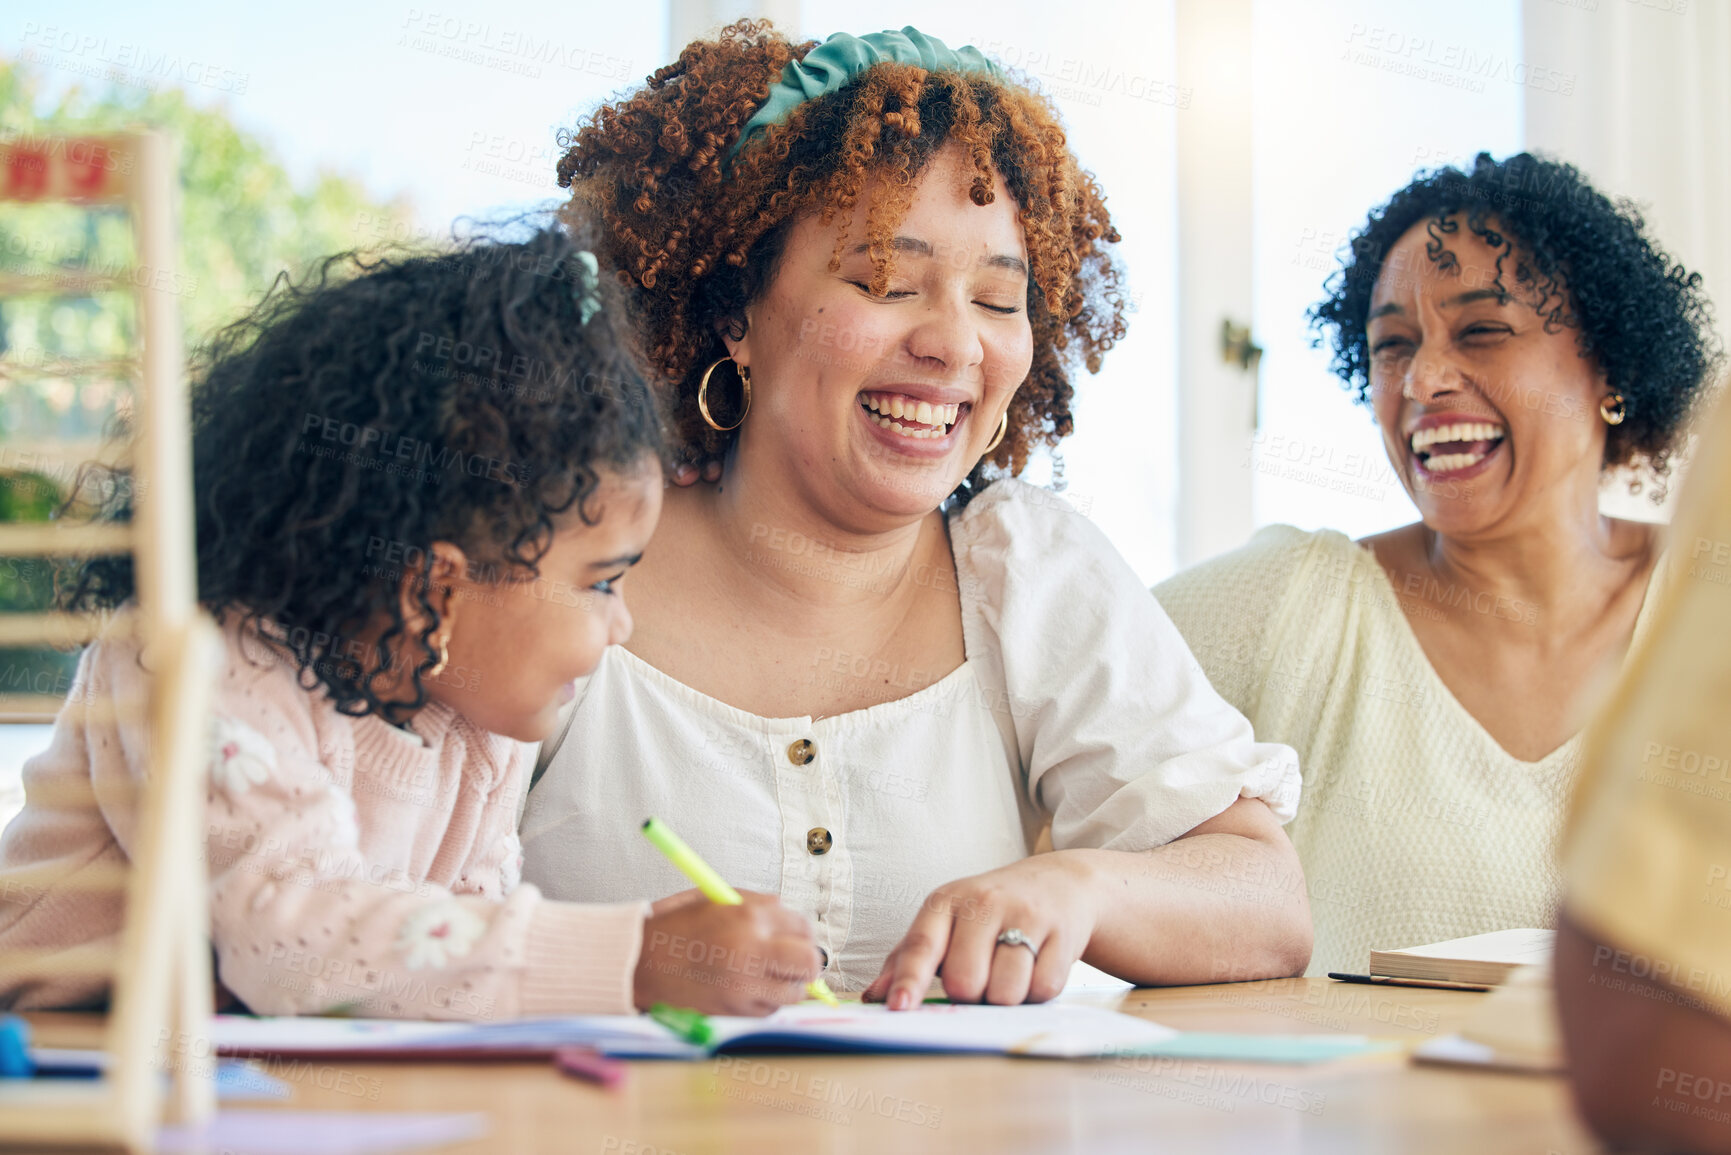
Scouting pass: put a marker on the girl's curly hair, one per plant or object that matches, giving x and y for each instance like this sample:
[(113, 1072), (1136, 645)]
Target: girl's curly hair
[(697, 234), (350, 421), (1587, 262)]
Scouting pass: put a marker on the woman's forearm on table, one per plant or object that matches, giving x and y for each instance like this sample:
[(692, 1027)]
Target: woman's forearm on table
[(1226, 902)]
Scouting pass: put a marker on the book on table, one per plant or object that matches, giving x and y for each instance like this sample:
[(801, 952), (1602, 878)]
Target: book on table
[(1051, 1030), (1047, 1031), (1484, 960)]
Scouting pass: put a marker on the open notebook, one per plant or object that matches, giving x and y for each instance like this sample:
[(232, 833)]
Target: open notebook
[(1051, 1030)]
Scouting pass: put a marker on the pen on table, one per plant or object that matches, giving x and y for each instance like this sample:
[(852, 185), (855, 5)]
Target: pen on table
[(588, 1063), (1391, 980), (713, 886)]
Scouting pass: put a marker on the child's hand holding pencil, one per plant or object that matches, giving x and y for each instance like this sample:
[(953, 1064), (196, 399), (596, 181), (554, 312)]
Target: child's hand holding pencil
[(747, 959), (749, 981)]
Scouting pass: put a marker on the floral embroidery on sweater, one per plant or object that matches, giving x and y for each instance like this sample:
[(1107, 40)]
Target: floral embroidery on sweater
[(437, 933), (240, 756)]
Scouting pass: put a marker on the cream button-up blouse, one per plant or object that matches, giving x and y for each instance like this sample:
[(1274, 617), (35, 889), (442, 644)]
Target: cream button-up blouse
[(1077, 702)]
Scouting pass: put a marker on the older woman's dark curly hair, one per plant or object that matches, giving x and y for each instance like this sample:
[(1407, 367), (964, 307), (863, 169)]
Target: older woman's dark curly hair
[(1585, 261), (349, 422), (698, 235)]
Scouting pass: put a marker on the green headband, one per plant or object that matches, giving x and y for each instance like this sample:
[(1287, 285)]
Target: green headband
[(835, 63)]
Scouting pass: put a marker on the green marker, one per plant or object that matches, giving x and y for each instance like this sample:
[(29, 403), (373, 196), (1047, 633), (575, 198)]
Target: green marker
[(692, 1026), (713, 886)]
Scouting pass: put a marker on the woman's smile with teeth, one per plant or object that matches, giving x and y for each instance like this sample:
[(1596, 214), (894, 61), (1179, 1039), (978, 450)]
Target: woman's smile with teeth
[(909, 416), (1446, 448)]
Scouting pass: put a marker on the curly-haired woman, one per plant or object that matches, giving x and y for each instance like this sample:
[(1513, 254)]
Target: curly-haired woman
[(1515, 334), (869, 666)]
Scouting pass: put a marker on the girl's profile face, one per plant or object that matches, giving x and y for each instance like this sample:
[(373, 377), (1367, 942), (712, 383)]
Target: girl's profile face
[(516, 647), (880, 406)]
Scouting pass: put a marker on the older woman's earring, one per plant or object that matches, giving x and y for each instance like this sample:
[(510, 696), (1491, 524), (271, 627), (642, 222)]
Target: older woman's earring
[(745, 398), (444, 658), (1003, 428), (1612, 409)]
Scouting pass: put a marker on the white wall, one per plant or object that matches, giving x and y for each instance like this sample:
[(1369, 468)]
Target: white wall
[(1352, 97), (1217, 400), (1649, 117)]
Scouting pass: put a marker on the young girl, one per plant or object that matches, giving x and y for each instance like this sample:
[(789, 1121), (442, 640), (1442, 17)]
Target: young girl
[(418, 490)]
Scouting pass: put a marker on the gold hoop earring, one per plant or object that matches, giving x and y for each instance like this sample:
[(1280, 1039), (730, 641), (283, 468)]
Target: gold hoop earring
[(1612, 409), (703, 400), (1003, 428), (444, 658)]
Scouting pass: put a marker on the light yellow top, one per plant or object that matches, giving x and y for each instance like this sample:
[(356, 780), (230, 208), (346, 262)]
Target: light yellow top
[(1415, 826), (1648, 853)]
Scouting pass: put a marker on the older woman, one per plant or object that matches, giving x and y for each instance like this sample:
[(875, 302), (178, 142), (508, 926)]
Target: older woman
[(865, 673), (1516, 335)]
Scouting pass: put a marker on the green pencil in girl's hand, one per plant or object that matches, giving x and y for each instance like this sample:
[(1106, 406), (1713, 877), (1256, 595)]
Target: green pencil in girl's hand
[(701, 874), (713, 886)]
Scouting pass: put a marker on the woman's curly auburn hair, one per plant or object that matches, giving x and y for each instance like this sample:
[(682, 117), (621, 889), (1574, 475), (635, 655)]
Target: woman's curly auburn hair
[(350, 421), (1585, 261), (697, 234)]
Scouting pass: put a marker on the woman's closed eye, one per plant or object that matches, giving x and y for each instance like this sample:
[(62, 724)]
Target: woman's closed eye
[(888, 295), (609, 585), (903, 294)]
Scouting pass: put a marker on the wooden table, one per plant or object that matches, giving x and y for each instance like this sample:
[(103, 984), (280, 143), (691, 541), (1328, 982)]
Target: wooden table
[(817, 1105)]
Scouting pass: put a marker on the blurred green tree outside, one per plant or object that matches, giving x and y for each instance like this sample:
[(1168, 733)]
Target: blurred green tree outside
[(242, 220), (64, 372)]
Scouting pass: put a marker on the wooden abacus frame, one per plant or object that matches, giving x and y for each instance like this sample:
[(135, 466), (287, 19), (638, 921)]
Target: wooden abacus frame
[(160, 972)]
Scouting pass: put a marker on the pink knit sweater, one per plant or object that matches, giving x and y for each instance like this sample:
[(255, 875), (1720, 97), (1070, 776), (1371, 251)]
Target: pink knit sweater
[(353, 864)]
